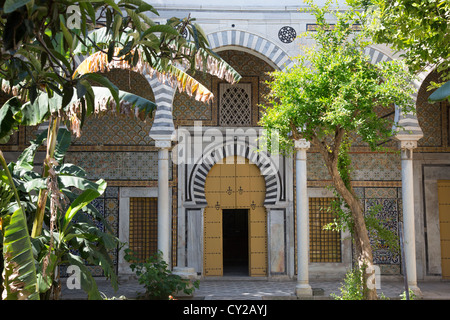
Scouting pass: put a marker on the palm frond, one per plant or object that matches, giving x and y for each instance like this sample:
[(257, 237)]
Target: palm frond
[(209, 62), (129, 104), (175, 77)]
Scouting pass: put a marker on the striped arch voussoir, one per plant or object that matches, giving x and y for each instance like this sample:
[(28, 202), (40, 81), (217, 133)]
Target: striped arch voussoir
[(266, 166)]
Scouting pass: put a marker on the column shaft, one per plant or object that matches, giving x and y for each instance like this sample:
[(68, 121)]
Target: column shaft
[(302, 288), (408, 217), (164, 223)]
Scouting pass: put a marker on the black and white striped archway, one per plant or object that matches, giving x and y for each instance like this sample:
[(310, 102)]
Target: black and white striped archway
[(268, 167)]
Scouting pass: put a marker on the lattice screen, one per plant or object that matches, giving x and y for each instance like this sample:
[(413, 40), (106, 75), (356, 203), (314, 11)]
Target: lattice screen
[(235, 104), (324, 245), (143, 226)]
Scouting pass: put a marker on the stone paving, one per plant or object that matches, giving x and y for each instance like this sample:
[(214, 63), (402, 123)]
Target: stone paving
[(249, 289)]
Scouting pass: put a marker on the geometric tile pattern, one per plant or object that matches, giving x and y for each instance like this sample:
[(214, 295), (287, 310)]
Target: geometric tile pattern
[(117, 165), (114, 130), (366, 167), (108, 207), (389, 217), (430, 115), (376, 166)]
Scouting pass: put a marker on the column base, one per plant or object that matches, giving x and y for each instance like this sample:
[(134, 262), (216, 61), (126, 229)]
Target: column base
[(303, 290), (416, 290), (186, 274)]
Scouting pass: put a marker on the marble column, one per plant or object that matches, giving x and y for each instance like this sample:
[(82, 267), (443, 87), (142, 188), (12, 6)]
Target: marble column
[(164, 219), (409, 233), (408, 132), (163, 132), (302, 288)]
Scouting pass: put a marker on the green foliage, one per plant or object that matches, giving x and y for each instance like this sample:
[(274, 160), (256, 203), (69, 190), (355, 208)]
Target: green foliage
[(419, 29), (334, 86), (75, 225), (379, 230), (442, 93), (352, 288), (40, 41), (19, 272), (159, 282), (412, 295), (333, 93), (18, 266)]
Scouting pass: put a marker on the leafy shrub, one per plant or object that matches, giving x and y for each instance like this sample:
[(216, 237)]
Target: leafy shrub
[(159, 282), (352, 289)]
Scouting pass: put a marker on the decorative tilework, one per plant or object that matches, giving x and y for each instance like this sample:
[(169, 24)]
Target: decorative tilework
[(315, 166), (366, 167), (376, 166), (390, 193), (430, 115), (388, 215), (118, 165), (188, 108), (114, 130)]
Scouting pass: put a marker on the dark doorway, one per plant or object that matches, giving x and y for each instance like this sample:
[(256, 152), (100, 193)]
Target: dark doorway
[(235, 242)]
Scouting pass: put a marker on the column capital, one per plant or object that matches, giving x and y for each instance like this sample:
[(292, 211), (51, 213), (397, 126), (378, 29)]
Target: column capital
[(163, 144), (408, 144), (302, 144), (408, 131)]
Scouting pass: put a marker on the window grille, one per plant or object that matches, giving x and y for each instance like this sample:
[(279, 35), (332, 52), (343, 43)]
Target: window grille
[(324, 245), (143, 239), (235, 104)]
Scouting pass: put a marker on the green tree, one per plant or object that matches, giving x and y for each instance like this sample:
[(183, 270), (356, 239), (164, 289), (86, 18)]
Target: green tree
[(40, 41), (419, 29), (332, 95)]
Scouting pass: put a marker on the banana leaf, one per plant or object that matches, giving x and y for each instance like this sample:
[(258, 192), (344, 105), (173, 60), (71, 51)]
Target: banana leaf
[(19, 265), (87, 282), (81, 201), (9, 118)]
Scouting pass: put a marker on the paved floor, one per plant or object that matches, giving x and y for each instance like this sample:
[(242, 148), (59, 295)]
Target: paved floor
[(249, 289)]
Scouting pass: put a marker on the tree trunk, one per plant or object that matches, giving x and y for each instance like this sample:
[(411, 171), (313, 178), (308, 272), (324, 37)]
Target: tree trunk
[(363, 247), (53, 127)]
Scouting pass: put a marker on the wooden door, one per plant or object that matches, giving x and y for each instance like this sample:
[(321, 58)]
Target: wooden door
[(235, 184), (444, 225), (212, 233)]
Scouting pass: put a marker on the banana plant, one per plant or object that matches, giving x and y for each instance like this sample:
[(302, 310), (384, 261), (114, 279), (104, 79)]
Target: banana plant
[(74, 227), (19, 270), (38, 67)]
